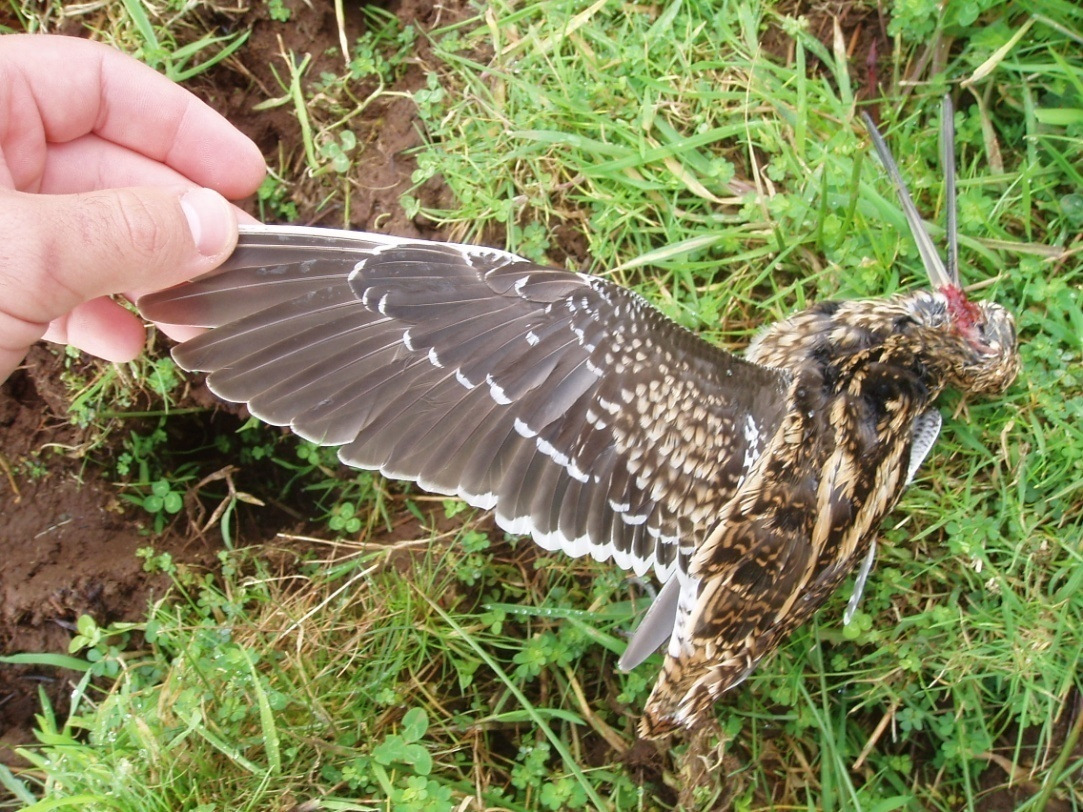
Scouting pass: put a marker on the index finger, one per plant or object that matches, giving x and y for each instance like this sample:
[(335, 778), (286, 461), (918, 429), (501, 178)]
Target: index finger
[(82, 87)]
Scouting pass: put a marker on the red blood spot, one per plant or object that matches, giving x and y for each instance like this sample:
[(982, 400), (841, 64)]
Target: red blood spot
[(964, 313)]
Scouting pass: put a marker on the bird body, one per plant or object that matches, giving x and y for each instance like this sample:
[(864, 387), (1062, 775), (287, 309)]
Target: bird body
[(584, 417), (858, 422)]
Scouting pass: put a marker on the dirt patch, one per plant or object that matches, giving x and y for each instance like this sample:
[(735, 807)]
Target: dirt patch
[(69, 546), (387, 130), (863, 31)]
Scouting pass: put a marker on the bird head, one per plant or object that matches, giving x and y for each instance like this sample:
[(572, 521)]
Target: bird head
[(973, 345), (984, 358), (976, 343)]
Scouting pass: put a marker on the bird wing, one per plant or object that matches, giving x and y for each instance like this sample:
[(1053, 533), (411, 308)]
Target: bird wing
[(579, 412)]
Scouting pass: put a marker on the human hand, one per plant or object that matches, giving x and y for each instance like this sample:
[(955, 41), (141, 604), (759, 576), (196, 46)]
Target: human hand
[(112, 180)]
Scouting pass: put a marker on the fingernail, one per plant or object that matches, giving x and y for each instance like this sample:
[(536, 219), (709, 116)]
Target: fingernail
[(210, 220)]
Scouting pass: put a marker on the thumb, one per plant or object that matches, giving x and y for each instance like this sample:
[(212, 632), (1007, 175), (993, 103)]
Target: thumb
[(60, 254)]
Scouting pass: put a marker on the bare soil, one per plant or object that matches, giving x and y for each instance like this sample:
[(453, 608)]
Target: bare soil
[(68, 544)]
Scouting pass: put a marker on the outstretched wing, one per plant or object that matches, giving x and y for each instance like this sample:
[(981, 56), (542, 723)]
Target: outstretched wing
[(567, 403)]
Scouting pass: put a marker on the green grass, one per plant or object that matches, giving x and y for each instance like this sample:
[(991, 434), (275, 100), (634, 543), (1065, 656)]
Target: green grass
[(731, 183)]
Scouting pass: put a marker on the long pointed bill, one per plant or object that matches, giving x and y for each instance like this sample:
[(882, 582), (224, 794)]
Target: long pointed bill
[(947, 163), (934, 266)]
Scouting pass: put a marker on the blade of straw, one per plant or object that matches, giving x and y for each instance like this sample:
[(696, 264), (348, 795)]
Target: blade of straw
[(934, 266)]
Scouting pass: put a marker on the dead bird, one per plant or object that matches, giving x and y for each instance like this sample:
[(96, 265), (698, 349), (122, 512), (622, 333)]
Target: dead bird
[(585, 418)]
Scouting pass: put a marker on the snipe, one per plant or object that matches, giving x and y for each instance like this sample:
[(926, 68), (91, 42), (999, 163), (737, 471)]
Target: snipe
[(751, 486)]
